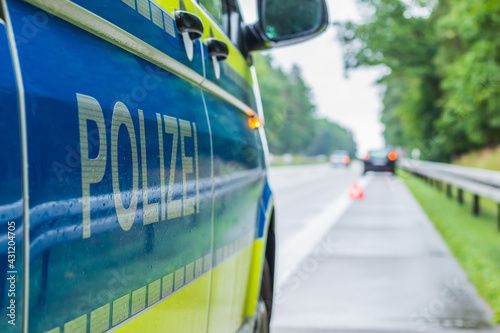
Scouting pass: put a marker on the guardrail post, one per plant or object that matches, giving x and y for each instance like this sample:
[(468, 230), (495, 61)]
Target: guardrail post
[(475, 208), (448, 190), (460, 196)]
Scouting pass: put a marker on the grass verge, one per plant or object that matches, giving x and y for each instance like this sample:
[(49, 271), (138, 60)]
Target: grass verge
[(475, 241), (488, 158)]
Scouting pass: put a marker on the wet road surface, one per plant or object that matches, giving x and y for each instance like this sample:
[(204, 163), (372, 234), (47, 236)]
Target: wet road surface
[(374, 265)]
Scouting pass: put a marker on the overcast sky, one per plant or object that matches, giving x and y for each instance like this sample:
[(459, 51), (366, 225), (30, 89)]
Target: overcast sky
[(354, 102)]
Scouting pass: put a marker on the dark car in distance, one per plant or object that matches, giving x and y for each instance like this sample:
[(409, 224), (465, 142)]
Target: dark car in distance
[(382, 160)]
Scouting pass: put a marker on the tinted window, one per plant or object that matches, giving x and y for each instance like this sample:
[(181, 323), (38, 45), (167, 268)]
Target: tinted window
[(378, 153)]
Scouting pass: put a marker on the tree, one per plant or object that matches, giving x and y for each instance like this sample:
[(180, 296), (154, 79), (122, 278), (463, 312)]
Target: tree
[(291, 125), (443, 93)]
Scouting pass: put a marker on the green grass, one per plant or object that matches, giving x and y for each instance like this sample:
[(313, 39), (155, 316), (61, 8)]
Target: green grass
[(475, 241), (488, 158)]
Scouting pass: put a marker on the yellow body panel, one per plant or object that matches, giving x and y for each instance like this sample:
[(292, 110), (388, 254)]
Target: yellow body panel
[(171, 5), (254, 278), (228, 290), (184, 311), (232, 282)]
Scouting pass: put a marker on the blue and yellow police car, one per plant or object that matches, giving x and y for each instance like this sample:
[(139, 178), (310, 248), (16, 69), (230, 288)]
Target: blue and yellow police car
[(134, 193)]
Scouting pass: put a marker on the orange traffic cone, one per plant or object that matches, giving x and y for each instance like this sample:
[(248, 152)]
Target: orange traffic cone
[(356, 192)]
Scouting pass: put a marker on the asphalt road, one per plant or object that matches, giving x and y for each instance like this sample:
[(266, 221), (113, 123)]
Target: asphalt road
[(373, 265), (304, 194)]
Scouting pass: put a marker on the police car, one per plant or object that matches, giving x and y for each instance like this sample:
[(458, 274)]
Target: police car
[(134, 193)]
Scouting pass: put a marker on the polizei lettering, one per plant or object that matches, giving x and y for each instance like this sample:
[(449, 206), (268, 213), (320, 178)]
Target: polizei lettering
[(94, 169)]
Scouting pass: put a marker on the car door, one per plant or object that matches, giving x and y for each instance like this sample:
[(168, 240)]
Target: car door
[(11, 194), (120, 166), (238, 174)]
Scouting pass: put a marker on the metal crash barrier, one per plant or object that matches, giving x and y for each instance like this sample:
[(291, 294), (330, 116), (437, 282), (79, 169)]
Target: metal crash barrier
[(479, 182)]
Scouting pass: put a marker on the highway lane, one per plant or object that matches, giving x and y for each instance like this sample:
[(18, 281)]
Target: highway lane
[(301, 192), (371, 266), (301, 195)]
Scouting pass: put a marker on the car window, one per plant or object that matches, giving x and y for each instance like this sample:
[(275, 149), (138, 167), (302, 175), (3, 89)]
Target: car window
[(215, 8), (378, 153)]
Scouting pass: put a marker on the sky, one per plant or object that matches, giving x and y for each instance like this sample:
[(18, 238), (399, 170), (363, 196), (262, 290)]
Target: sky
[(353, 102)]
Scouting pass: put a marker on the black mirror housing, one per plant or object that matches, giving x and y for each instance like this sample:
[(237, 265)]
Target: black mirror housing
[(287, 22)]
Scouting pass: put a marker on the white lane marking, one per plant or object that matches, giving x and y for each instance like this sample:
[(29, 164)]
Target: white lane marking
[(302, 242)]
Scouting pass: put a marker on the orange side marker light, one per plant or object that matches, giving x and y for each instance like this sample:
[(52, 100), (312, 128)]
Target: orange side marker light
[(254, 122)]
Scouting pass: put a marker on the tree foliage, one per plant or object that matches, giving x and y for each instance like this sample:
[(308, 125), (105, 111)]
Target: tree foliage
[(291, 124), (442, 91)]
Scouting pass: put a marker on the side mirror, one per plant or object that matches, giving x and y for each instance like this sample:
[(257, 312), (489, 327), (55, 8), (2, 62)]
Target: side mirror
[(286, 22)]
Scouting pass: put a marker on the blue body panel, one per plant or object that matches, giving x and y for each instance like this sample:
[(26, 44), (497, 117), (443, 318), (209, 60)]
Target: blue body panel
[(238, 173), (147, 25), (266, 209), (154, 32), (11, 198), (238, 184), (72, 275), (230, 80)]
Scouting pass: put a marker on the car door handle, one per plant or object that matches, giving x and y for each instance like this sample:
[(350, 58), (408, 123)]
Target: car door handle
[(217, 48), (188, 23)]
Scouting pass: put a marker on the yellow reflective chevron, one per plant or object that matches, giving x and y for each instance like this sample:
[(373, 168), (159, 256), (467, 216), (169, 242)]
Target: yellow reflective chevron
[(228, 290)]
